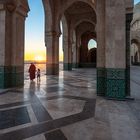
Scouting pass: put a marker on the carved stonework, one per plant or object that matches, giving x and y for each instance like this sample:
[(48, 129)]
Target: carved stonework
[(11, 7), (115, 83), (111, 83)]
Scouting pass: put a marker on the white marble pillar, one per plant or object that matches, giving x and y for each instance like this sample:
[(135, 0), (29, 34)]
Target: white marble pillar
[(52, 44), (75, 62), (12, 26), (68, 54), (115, 49), (65, 49)]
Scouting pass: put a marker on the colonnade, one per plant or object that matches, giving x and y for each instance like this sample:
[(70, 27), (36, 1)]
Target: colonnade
[(81, 20)]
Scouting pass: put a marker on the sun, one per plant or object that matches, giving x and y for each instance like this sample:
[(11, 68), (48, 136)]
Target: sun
[(39, 58)]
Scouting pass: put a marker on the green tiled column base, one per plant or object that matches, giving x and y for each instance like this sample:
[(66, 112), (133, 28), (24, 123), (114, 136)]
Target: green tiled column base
[(75, 65), (52, 69), (87, 65), (11, 76), (127, 78), (111, 83), (67, 66), (115, 83), (101, 82)]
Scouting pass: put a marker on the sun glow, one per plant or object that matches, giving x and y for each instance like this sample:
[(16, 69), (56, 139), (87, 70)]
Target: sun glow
[(39, 58), (34, 55)]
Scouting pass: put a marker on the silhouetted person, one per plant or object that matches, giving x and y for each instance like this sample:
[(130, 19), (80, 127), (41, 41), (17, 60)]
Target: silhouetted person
[(32, 71), (38, 75)]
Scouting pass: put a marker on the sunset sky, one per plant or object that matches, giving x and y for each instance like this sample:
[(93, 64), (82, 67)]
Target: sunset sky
[(34, 33)]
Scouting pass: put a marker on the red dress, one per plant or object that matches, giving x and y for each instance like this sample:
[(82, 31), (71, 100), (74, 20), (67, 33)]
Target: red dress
[(32, 71)]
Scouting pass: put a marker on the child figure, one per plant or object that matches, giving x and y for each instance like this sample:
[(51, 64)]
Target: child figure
[(38, 75)]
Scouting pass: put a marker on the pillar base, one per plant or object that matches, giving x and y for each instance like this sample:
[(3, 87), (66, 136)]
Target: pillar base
[(67, 66), (52, 69), (111, 83), (101, 82), (115, 83), (87, 65), (75, 65), (11, 76)]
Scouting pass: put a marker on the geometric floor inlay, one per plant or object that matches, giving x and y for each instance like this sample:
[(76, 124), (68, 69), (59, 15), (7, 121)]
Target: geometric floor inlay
[(55, 135), (13, 117), (63, 107), (87, 110)]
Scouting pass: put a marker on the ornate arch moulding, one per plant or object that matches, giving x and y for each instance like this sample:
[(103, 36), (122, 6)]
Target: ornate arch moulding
[(19, 7)]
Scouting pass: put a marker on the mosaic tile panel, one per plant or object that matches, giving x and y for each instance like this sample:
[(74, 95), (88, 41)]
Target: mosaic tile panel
[(11, 76), (115, 83), (68, 66), (75, 65)]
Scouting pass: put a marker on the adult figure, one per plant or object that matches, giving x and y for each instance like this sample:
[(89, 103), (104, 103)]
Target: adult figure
[(32, 71)]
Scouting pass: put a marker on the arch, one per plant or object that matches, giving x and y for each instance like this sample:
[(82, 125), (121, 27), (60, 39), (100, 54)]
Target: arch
[(72, 2), (135, 37), (87, 57), (67, 9), (48, 15), (92, 52), (135, 51), (83, 21), (90, 35), (89, 43), (88, 27), (136, 41)]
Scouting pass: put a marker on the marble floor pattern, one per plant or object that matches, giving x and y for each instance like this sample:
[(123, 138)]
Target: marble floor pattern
[(66, 107)]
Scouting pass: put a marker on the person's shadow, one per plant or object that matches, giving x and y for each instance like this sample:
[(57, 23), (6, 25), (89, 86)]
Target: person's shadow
[(32, 88), (38, 85)]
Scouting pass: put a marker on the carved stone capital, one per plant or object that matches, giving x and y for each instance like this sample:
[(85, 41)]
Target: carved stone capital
[(10, 7), (20, 6)]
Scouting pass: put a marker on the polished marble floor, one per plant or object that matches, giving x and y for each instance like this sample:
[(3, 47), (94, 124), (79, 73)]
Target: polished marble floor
[(67, 108)]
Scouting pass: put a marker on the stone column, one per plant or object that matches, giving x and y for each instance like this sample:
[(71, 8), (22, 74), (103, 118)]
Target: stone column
[(115, 49), (52, 44), (129, 18), (12, 25), (78, 44), (74, 50), (68, 55), (65, 49), (67, 58), (100, 5), (75, 53)]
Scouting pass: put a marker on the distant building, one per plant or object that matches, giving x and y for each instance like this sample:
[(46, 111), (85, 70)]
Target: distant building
[(135, 36)]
